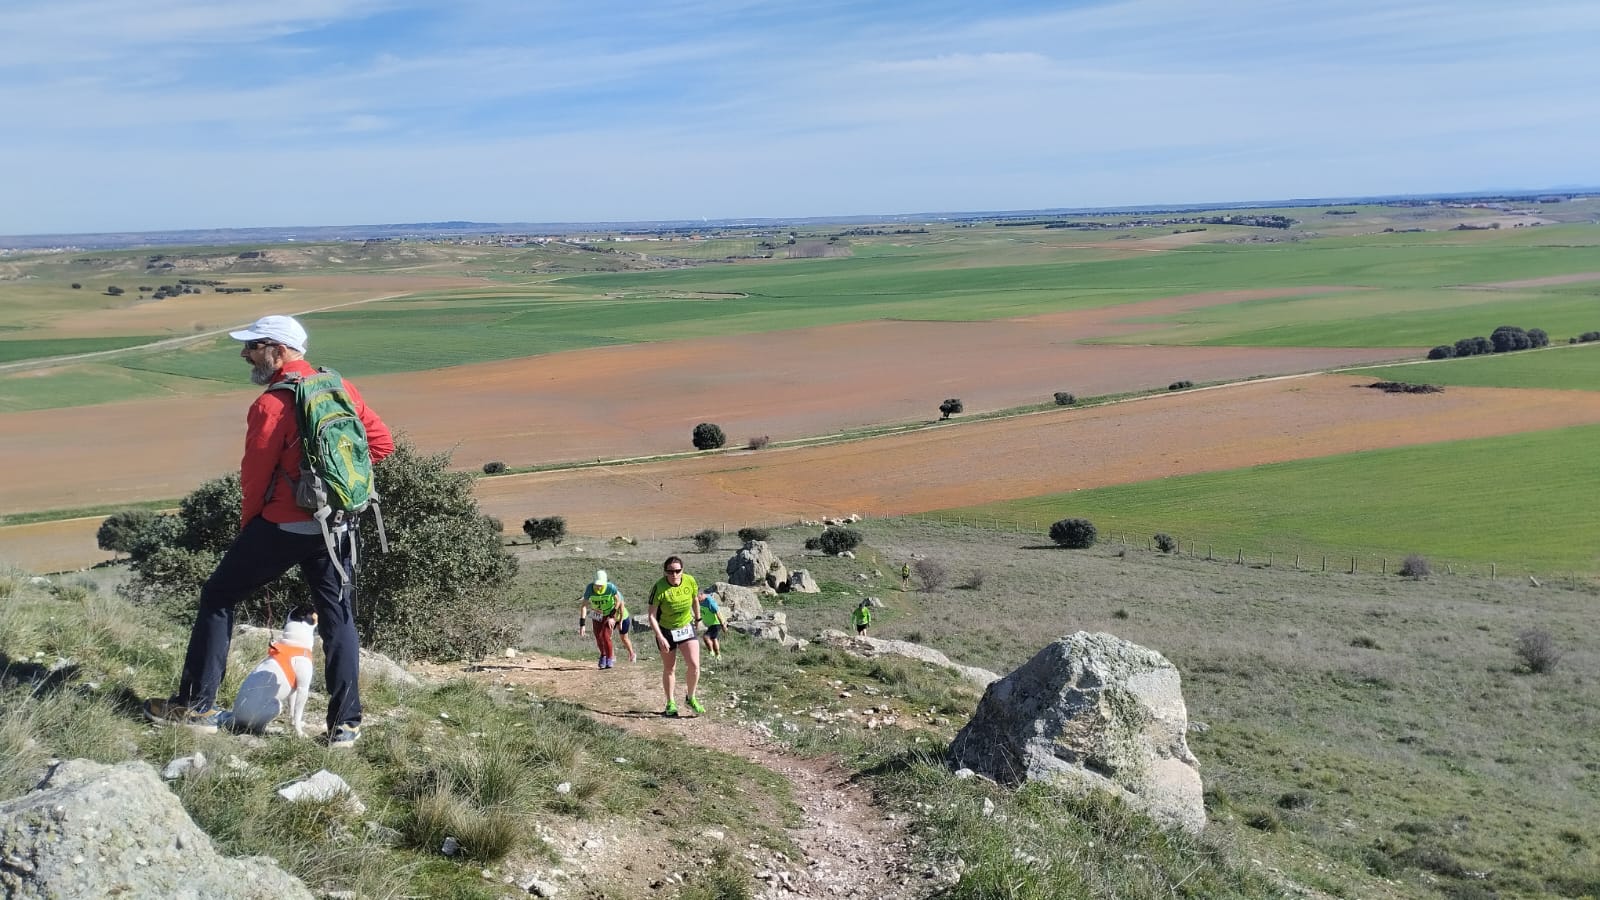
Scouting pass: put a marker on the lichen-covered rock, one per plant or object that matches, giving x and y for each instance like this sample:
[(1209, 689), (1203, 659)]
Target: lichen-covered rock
[(868, 647), (755, 565), (1090, 711), (93, 830)]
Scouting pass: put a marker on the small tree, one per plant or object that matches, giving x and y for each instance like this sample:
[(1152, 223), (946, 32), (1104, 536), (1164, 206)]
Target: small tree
[(494, 467), (950, 407), (813, 543), (1166, 543), (120, 532), (1538, 651), (834, 541), (705, 540), (708, 436), (931, 574), (1180, 385), (752, 533), (1074, 534), (758, 442), (76, 286), (549, 528), (1065, 399), (1443, 351), (114, 291)]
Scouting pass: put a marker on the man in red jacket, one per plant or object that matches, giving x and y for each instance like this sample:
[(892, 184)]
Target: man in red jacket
[(275, 535)]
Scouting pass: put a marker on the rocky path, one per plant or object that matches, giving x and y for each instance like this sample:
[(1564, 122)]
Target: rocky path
[(852, 849)]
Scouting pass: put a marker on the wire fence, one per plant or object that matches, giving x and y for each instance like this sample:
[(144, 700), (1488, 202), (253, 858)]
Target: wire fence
[(1298, 558)]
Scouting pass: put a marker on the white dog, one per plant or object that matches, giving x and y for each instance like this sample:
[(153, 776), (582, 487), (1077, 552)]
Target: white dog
[(285, 675)]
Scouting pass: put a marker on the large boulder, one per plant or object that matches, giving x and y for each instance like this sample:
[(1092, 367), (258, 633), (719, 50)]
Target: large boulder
[(1090, 711), (92, 830), (801, 582), (755, 565), (739, 603)]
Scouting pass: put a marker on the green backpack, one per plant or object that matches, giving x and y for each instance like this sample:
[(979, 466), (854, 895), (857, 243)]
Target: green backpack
[(336, 482)]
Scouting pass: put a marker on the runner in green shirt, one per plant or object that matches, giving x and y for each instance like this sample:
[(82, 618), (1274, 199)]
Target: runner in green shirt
[(675, 617), (711, 615), (862, 617)]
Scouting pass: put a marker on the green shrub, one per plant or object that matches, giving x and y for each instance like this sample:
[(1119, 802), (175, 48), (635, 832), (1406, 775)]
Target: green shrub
[(1443, 351), (705, 540), (834, 541), (549, 528), (494, 467), (120, 531), (1166, 543), (1074, 534), (752, 533), (1065, 399), (1416, 566), (931, 574), (708, 436), (813, 543), (1538, 651), (1180, 385), (1589, 337), (951, 407), (758, 442)]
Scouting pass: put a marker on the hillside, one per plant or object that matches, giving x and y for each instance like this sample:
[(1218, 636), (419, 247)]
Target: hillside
[(1358, 735)]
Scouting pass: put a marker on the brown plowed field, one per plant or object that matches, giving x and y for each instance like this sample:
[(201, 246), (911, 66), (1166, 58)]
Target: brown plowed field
[(968, 463), (645, 399)]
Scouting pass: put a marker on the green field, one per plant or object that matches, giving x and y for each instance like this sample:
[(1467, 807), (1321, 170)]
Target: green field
[(1521, 501), (1563, 367)]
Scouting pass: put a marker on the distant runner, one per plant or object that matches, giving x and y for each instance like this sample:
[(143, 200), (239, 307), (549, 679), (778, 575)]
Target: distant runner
[(905, 576), (862, 617), (711, 615), (624, 625), (601, 605), (674, 615)]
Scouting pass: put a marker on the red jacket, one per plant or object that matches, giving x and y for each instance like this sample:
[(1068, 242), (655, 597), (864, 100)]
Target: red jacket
[(272, 449)]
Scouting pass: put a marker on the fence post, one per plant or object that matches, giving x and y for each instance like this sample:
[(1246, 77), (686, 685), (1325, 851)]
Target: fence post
[(1269, 559), (1352, 565), (1208, 551), (1240, 559), (1324, 564), (1491, 571), (1384, 569), (1297, 560)]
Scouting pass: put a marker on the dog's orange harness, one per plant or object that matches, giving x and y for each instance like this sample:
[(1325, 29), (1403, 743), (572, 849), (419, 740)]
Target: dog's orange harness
[(283, 653)]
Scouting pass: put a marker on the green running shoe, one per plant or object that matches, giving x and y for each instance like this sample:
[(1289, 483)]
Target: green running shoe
[(672, 708), (695, 704)]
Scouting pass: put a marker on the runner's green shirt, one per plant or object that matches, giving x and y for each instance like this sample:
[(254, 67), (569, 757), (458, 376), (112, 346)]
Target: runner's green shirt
[(604, 600), (674, 605), (863, 616), (710, 612)]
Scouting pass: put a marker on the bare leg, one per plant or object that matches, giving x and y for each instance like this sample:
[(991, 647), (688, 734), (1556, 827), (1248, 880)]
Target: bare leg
[(669, 662), (691, 658)]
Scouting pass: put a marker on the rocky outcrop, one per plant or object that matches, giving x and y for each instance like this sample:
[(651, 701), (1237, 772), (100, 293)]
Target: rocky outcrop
[(92, 830), (801, 582), (1090, 711), (742, 612), (755, 565), (868, 647)]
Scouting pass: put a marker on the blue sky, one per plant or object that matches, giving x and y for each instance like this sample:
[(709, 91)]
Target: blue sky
[(161, 114)]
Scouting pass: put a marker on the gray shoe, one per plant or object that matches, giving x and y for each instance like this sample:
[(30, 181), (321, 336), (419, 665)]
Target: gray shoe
[(343, 737)]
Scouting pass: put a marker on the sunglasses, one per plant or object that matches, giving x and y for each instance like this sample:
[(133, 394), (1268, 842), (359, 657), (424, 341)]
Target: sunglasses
[(257, 345), (674, 571)]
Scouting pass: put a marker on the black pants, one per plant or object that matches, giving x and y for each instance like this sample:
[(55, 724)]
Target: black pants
[(262, 552)]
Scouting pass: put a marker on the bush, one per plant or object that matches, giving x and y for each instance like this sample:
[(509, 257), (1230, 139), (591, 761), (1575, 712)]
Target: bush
[(549, 528), (973, 581), (835, 541), (1180, 385), (1508, 338), (1416, 566), (708, 436), (1537, 650), (931, 574), (705, 540), (1074, 534), (1166, 543), (1589, 337), (495, 467), (76, 286), (434, 595), (1538, 337), (813, 543), (951, 407), (120, 532), (756, 443), (1443, 351), (1065, 399), (752, 533)]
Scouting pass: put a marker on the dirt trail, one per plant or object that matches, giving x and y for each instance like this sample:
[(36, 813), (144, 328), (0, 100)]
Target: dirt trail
[(852, 849)]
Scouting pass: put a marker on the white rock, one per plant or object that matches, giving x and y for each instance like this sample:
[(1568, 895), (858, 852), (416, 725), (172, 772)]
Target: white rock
[(323, 785), (564, 787), (184, 765)]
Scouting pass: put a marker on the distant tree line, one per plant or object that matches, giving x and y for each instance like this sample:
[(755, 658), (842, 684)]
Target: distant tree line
[(1505, 339)]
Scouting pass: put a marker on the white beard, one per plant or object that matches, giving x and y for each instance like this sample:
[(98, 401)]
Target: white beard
[(261, 375)]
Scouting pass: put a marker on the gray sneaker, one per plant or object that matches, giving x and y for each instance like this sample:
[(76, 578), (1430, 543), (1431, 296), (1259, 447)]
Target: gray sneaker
[(343, 737), (166, 712)]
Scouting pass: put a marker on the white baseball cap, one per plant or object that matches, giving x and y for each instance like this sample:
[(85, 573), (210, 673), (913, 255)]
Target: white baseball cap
[(279, 329), (600, 578)]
